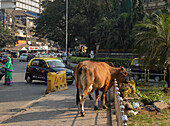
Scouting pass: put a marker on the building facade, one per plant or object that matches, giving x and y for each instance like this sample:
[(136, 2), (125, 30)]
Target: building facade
[(27, 5), (21, 25)]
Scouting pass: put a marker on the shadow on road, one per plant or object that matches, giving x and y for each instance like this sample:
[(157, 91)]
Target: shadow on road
[(61, 107)]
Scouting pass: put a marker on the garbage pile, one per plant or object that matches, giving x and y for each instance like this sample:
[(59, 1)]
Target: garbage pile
[(135, 102)]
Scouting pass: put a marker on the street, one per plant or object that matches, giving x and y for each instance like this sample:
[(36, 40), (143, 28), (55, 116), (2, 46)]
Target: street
[(27, 105), (19, 93)]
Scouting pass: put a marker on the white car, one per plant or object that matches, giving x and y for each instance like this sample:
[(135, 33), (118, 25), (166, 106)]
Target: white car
[(24, 57)]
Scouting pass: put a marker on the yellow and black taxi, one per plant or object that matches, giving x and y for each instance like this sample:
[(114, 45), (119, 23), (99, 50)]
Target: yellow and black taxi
[(38, 68)]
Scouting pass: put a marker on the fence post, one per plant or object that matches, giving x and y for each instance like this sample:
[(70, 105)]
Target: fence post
[(148, 76), (145, 77), (164, 78), (130, 74)]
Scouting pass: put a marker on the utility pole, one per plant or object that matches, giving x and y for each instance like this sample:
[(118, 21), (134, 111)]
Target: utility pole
[(66, 26)]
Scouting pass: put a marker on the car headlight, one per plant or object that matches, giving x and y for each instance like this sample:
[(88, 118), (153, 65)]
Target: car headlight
[(72, 72)]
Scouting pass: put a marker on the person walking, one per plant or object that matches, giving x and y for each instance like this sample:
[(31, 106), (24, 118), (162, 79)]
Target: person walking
[(8, 72)]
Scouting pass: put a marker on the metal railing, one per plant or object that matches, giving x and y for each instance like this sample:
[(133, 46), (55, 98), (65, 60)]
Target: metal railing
[(119, 107), (148, 77)]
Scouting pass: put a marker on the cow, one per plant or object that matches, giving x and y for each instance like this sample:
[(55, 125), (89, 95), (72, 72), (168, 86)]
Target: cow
[(75, 75), (94, 76)]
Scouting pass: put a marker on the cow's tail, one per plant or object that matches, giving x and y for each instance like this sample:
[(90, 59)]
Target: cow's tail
[(77, 95)]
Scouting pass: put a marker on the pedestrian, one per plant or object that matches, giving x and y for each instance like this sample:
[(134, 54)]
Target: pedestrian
[(92, 54), (8, 72)]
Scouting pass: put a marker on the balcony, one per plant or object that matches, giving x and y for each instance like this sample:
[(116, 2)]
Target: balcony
[(8, 0)]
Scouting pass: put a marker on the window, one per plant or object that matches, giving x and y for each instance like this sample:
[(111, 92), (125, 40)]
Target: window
[(35, 63), (55, 64), (43, 64), (24, 54), (136, 62)]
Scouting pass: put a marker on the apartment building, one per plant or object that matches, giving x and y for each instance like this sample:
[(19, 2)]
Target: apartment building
[(27, 5), (21, 25)]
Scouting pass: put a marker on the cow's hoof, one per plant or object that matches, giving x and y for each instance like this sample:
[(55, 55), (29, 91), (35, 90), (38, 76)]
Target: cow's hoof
[(104, 107), (82, 114), (95, 108)]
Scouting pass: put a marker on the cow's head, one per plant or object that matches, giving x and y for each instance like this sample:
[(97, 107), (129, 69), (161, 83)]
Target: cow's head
[(122, 76)]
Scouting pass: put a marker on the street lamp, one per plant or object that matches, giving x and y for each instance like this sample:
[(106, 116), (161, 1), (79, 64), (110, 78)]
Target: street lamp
[(66, 26)]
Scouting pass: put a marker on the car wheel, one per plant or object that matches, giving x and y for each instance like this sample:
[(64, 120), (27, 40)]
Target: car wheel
[(29, 79), (157, 78), (46, 79), (19, 60)]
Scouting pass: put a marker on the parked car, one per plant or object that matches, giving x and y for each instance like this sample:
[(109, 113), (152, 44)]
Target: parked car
[(24, 57), (4, 58), (14, 54), (137, 69), (2, 70), (38, 68), (64, 57)]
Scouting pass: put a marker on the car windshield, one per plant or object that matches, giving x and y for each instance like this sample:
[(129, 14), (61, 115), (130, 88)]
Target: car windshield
[(136, 62), (24, 54), (55, 63)]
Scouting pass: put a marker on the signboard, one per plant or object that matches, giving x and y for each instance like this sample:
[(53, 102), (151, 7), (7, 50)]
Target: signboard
[(28, 36), (33, 48), (22, 42), (38, 48), (44, 47)]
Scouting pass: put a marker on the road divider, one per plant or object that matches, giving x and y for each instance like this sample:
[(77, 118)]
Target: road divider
[(56, 82)]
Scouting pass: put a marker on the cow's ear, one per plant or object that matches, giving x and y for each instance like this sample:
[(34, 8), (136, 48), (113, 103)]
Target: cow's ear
[(121, 68)]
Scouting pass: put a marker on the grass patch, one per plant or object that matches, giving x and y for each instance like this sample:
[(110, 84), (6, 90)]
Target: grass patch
[(153, 118), (150, 118)]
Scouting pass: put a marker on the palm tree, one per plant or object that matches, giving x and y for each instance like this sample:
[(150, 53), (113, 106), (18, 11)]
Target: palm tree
[(152, 39)]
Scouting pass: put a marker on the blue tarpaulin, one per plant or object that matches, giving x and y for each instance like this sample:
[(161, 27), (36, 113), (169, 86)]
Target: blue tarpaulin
[(34, 14)]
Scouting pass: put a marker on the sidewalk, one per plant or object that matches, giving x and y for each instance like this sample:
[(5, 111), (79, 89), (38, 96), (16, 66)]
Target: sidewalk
[(60, 109)]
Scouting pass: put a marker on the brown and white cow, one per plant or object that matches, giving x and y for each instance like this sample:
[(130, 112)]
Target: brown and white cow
[(94, 76), (75, 75)]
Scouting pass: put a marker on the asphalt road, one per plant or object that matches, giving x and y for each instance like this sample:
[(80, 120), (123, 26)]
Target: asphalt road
[(20, 93)]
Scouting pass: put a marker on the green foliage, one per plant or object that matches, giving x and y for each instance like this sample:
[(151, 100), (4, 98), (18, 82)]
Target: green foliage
[(115, 31), (5, 37), (152, 39), (129, 114), (116, 61), (151, 96), (106, 22), (151, 118), (51, 23)]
